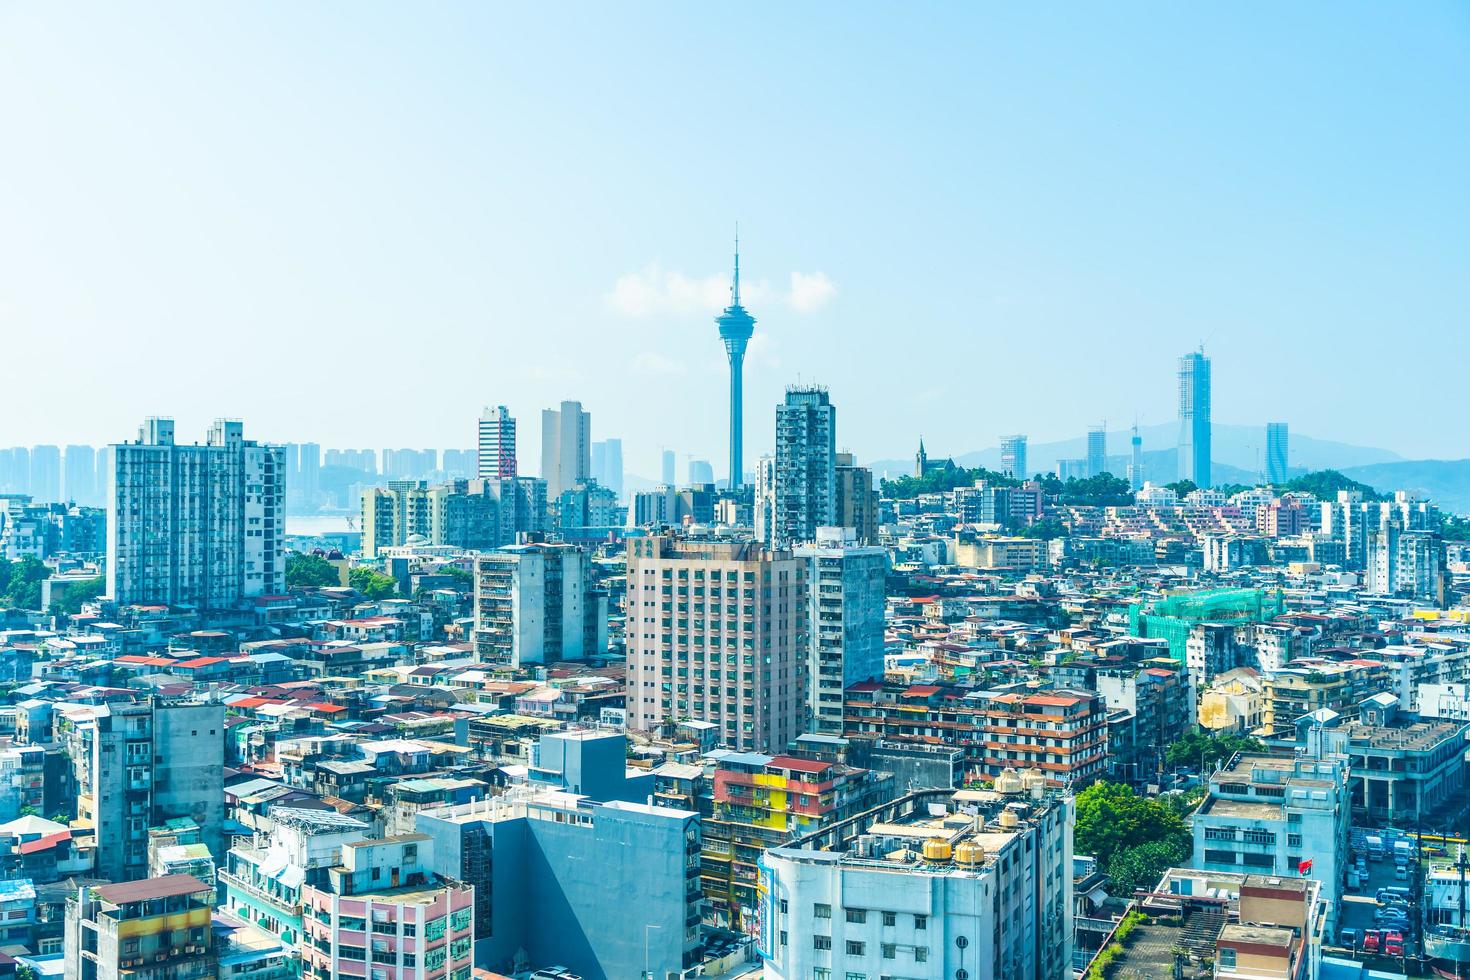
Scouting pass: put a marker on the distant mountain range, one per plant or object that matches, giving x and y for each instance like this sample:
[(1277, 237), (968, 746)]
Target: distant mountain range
[(1239, 457)]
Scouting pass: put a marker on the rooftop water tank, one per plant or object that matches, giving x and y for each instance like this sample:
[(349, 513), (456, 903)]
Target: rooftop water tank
[(936, 849)]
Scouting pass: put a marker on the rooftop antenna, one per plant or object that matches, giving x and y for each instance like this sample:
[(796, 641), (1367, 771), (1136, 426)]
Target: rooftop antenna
[(735, 289)]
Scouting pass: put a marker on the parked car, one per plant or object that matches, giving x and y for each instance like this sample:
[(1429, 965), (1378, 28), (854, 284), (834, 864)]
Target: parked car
[(1370, 941), (1393, 949), (1349, 939), (1401, 872)]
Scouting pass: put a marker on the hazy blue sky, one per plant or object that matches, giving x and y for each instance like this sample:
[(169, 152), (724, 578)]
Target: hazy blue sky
[(359, 224)]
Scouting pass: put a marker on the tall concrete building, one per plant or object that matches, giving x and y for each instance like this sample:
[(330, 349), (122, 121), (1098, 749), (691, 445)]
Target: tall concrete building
[(667, 462), (46, 474), (195, 525), (856, 505), (1097, 450), (139, 765), (1194, 418), (701, 473), (153, 929), (79, 476), (566, 447), (535, 604), (990, 897), (736, 326), (462, 514), (496, 449), (800, 486), (607, 465), (1135, 460), (1407, 563), (716, 631), (1276, 453), (1013, 457), (845, 607)]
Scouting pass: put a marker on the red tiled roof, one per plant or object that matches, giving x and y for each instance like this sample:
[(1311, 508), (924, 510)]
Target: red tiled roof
[(141, 891), (921, 691), (799, 765), (44, 843), (202, 662)]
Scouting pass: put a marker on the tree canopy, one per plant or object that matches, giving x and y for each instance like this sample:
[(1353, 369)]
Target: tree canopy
[(310, 571), (1045, 529), (20, 582), (1198, 745), (1134, 838), (1103, 490), (943, 479), (373, 585), (1324, 485), (76, 593)]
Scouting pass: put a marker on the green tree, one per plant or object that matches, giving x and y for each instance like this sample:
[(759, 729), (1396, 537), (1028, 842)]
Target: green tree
[(1111, 818), (1324, 485), (1045, 529), (77, 593), (1197, 745), (1455, 528), (1103, 490), (941, 480), (310, 571), (373, 585), (1141, 866), (1182, 487), (463, 581), (20, 582)]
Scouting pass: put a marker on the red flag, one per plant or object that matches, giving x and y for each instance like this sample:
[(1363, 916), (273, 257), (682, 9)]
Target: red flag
[(1304, 866)]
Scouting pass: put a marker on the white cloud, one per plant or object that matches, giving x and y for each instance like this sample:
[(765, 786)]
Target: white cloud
[(654, 363), (656, 291), (811, 291)]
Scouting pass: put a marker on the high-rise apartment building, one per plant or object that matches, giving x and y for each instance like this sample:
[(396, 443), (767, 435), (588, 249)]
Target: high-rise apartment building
[(800, 487), (1407, 563), (1097, 450), (1276, 453), (15, 470), (736, 326), (79, 476), (535, 604), (607, 465), (667, 463), (701, 473), (383, 909), (566, 447), (716, 631), (497, 445), (856, 505), (195, 525), (1135, 461), (1013, 457), (139, 765), (1194, 418), (990, 895), (46, 474), (149, 929), (463, 514), (845, 621)]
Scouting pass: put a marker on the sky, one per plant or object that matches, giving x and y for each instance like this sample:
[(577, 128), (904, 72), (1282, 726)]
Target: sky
[(358, 224)]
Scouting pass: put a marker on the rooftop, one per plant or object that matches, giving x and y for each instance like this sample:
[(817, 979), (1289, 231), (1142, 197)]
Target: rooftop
[(168, 886)]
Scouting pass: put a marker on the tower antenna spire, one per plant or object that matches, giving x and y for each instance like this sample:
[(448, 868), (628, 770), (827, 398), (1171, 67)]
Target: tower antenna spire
[(735, 290)]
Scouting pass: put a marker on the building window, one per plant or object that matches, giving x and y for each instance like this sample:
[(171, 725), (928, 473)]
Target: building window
[(1227, 958), (855, 948), (821, 911), (890, 918), (821, 942), (783, 937), (889, 950), (857, 915), (921, 922), (921, 954)]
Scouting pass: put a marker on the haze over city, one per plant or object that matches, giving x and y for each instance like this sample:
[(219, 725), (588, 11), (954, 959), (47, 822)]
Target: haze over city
[(967, 224)]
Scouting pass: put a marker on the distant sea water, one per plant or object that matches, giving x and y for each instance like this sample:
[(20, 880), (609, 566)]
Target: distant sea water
[(314, 525)]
